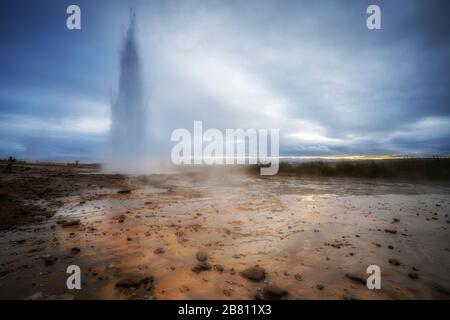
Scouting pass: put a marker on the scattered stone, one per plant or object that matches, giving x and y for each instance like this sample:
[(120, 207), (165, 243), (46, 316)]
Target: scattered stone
[(319, 286), (441, 289), (21, 241), (148, 284), (273, 292), (4, 272), (356, 279), (202, 255), (255, 273), (70, 223), (135, 282), (201, 266), (159, 250), (413, 275), (122, 218), (391, 247), (48, 259), (395, 220), (218, 267), (298, 277), (126, 191), (394, 262), (227, 292), (75, 250), (392, 231)]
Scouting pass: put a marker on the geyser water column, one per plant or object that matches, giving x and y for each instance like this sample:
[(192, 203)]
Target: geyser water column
[(128, 114)]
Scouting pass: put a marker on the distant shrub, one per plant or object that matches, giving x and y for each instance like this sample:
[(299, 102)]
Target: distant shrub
[(436, 168)]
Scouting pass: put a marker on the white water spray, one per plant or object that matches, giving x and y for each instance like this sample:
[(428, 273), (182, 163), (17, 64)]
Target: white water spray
[(128, 125)]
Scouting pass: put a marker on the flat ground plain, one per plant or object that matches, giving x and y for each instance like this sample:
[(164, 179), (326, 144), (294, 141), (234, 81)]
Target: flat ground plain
[(138, 237)]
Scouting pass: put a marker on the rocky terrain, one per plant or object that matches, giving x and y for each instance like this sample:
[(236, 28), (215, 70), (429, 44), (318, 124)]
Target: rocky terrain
[(212, 235)]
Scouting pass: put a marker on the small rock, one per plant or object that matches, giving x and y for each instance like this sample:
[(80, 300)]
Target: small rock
[(356, 279), (319, 286), (390, 231), (273, 292), (255, 273), (201, 266), (159, 250), (135, 281), (394, 262), (202, 255), (48, 259), (442, 289), (413, 275), (70, 223), (75, 250), (218, 267), (21, 241), (298, 277)]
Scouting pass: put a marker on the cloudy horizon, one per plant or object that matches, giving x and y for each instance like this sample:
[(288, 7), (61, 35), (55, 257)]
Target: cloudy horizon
[(310, 68)]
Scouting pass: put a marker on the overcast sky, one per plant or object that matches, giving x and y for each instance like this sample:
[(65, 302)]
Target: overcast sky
[(310, 68)]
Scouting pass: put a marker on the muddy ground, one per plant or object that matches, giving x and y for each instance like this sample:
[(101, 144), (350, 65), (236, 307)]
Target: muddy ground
[(200, 236)]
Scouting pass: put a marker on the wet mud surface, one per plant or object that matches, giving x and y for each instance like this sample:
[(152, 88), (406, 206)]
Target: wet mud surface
[(220, 236)]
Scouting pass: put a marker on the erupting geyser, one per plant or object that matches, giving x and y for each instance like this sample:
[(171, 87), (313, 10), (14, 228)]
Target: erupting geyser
[(128, 114)]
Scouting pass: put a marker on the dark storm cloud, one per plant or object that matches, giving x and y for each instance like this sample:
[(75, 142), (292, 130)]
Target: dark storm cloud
[(310, 68)]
